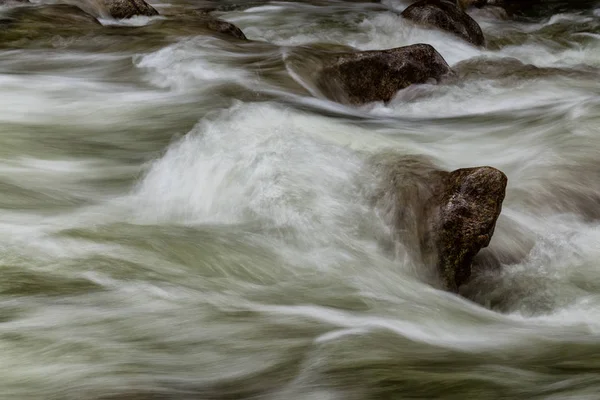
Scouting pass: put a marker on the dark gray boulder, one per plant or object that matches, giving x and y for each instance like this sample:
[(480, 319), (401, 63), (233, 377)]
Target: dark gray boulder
[(367, 76), (446, 15), (445, 218), (121, 9)]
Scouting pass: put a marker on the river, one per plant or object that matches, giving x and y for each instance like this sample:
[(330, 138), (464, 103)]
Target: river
[(184, 216)]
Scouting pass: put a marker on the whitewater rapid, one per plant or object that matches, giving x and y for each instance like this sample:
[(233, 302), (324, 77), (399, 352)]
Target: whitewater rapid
[(192, 220)]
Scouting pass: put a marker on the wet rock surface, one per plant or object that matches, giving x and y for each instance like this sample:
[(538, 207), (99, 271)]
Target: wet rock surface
[(448, 16), (448, 216), (367, 76), (122, 9)]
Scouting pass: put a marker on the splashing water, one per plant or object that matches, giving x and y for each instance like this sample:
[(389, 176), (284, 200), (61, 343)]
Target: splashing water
[(186, 217)]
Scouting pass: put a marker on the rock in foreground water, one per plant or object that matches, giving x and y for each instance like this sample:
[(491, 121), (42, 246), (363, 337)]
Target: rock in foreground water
[(121, 9), (462, 220), (448, 16), (446, 216), (363, 77)]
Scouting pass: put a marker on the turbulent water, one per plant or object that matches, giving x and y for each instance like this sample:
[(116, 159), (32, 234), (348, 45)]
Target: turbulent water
[(185, 216)]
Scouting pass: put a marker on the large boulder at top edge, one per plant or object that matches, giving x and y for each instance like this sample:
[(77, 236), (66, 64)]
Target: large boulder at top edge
[(377, 75), (448, 16), (448, 217), (121, 9)]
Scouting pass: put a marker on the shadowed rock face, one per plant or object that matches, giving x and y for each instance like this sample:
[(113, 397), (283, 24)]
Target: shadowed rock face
[(466, 4), (12, 2), (44, 21), (121, 9), (224, 27), (448, 16), (367, 76), (447, 217), (462, 219), (541, 8)]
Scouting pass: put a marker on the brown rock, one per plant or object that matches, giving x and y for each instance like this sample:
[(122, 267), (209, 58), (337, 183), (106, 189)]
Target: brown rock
[(542, 8), (121, 9), (446, 216), (195, 21), (448, 16), (366, 76), (463, 219), (224, 27)]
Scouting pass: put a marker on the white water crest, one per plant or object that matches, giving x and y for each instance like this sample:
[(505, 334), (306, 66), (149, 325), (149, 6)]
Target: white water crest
[(185, 216)]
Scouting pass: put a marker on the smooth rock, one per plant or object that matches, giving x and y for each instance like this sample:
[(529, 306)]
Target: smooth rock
[(122, 9), (448, 16), (377, 75), (13, 2), (224, 27)]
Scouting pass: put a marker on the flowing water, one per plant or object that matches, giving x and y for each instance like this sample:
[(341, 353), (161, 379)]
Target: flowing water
[(185, 216)]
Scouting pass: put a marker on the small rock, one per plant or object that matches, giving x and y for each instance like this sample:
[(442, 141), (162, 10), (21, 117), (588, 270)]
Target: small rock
[(227, 28), (448, 16), (366, 76), (122, 9)]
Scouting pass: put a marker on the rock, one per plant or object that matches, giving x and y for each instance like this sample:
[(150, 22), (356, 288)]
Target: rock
[(183, 22), (467, 4), (122, 9), (225, 28), (448, 16), (197, 21), (541, 8), (366, 76), (463, 219), (446, 216)]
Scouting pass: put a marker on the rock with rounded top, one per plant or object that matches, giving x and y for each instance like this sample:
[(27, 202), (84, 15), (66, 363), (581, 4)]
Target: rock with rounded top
[(14, 2), (224, 27), (122, 9), (462, 219), (446, 15), (377, 75)]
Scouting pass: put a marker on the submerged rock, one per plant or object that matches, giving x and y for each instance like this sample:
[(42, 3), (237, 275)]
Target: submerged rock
[(462, 220), (447, 216), (13, 2), (224, 27), (448, 16), (192, 23), (377, 75), (22, 26), (121, 9), (467, 4)]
